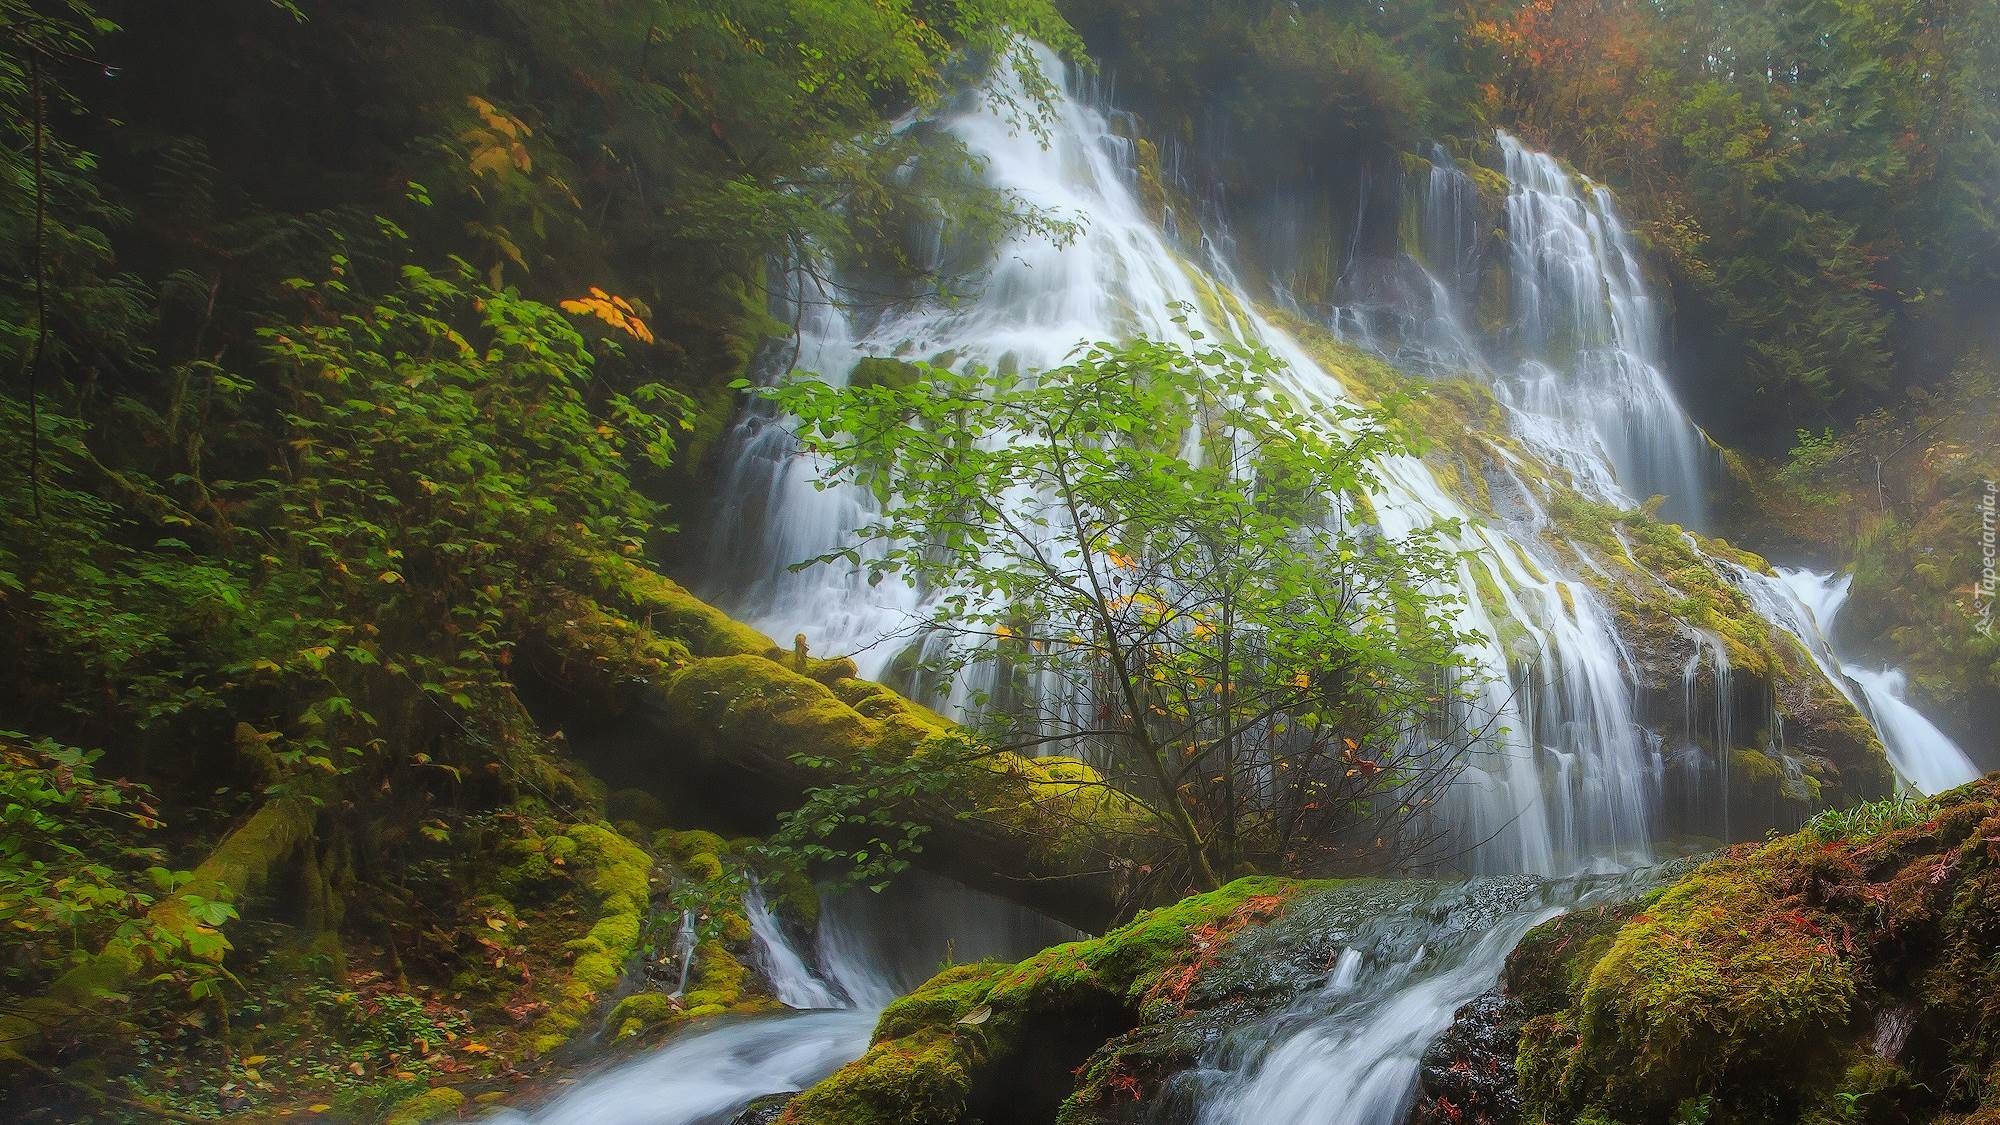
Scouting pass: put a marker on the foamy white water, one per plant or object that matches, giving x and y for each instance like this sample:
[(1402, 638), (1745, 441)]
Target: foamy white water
[(1926, 759), (868, 950)]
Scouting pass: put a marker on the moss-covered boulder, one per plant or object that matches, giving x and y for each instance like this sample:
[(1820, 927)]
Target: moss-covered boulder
[(437, 1104), (618, 874), (1848, 973)]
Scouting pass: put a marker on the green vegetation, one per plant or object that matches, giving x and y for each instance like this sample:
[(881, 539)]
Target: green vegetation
[(977, 1034), (358, 362), (1753, 989), (1816, 175), (1224, 603), (1901, 494), (308, 437)]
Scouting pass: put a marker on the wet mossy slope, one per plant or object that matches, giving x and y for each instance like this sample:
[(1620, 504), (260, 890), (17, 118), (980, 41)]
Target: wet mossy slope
[(1848, 973)]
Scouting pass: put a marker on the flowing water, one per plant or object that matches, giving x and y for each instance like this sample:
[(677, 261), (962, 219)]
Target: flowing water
[(1926, 758), (1571, 784), (1348, 1053), (867, 950), (1575, 783), (1577, 357), (1348, 1049)]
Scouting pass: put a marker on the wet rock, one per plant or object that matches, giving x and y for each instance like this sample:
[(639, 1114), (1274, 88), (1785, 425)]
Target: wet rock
[(764, 1110), (1468, 1074)]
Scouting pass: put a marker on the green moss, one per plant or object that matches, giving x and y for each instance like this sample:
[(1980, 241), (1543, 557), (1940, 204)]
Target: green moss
[(431, 1105), (931, 1045), (670, 611), (617, 872), (919, 1079), (641, 1012), (1555, 959), (1754, 770), (1714, 976)]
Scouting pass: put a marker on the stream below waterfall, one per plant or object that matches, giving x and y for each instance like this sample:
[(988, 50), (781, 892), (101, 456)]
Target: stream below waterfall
[(1573, 786), (867, 950)]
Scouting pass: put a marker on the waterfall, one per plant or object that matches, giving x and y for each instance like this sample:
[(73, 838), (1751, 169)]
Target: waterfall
[(1588, 332), (1349, 1052), (869, 950), (1925, 757), (1577, 361), (1808, 604), (1571, 782), (795, 985)]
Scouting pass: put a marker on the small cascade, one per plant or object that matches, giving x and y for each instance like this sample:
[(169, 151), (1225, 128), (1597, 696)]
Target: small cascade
[(1807, 604), (1702, 773), (1924, 756), (1349, 1052), (870, 949), (795, 985)]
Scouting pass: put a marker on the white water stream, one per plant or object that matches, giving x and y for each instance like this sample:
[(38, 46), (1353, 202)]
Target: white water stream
[(868, 951), (1349, 1054), (1926, 759)]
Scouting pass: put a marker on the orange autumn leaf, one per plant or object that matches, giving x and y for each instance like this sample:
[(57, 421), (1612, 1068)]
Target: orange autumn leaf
[(613, 310)]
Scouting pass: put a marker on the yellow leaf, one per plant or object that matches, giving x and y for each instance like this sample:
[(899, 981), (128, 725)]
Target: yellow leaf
[(318, 1107), (477, 1048), (256, 1060)]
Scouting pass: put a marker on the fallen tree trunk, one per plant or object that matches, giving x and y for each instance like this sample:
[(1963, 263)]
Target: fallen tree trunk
[(723, 703)]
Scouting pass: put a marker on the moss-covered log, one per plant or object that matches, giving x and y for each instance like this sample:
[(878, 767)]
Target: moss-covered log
[(1043, 831)]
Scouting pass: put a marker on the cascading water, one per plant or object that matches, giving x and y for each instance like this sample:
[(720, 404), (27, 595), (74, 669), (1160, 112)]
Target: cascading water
[(868, 950), (1574, 781), (1808, 603), (1576, 360), (1589, 333), (1348, 1053), (1571, 783)]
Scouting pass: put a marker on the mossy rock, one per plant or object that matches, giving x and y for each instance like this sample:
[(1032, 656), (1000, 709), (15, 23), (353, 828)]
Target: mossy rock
[(435, 1104), (975, 1034), (617, 874), (1555, 959), (1842, 974), (883, 371), (642, 1012)]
